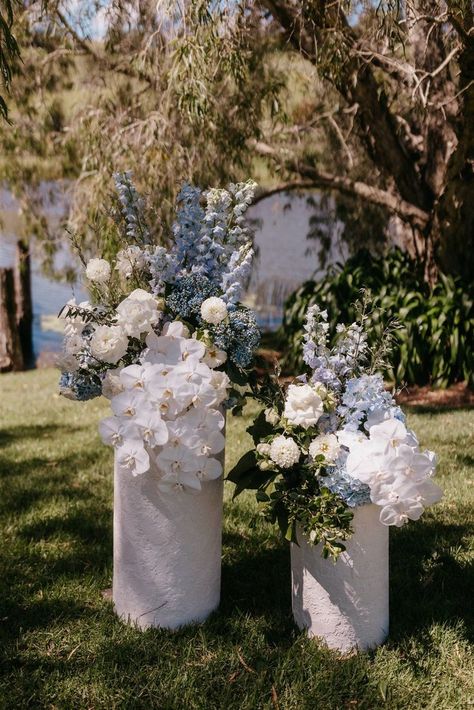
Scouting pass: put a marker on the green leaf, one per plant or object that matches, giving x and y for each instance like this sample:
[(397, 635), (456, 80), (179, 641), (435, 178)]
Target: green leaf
[(260, 428), (246, 463)]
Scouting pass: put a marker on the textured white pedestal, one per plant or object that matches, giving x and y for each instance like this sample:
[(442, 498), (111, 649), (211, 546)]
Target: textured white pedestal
[(167, 552), (344, 603)]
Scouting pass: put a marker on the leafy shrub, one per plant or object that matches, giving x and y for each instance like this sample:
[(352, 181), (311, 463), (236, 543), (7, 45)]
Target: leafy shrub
[(435, 342)]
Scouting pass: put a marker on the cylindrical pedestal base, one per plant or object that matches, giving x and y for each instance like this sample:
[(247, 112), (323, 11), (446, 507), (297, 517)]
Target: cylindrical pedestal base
[(344, 603), (167, 551)]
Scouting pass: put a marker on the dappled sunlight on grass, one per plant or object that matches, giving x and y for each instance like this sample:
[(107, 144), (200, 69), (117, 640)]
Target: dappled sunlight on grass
[(63, 647)]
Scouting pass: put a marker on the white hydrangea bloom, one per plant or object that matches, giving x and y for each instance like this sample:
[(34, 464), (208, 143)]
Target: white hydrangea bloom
[(130, 261), (109, 343), (284, 451), (73, 344), (98, 271), (303, 406), (326, 445), (138, 313), (214, 310)]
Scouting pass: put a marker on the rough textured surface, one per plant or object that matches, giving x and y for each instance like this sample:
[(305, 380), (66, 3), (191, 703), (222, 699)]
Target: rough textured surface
[(167, 552), (344, 603)]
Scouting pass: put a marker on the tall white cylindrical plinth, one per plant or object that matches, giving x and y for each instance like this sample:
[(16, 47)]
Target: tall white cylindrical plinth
[(167, 551), (344, 603)]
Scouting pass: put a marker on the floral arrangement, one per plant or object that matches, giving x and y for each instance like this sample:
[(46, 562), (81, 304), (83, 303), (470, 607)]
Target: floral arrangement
[(335, 439), (164, 335)]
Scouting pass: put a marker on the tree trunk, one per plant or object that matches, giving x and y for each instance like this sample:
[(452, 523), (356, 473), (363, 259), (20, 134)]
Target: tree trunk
[(23, 302), (11, 356), (456, 207)]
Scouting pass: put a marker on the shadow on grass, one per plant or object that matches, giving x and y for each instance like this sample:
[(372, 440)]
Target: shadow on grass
[(436, 409), (9, 435), (431, 579)]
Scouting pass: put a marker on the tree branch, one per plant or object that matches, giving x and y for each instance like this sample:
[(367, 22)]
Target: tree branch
[(306, 31), (355, 188), (111, 65)]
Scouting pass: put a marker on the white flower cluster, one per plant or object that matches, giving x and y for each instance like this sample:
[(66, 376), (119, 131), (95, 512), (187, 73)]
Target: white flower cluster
[(167, 413), (398, 474), (135, 317)]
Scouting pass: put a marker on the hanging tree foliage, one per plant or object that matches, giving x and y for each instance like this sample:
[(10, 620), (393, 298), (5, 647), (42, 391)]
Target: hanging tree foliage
[(373, 102)]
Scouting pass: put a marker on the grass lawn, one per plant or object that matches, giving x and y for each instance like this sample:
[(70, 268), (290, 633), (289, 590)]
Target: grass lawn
[(62, 646)]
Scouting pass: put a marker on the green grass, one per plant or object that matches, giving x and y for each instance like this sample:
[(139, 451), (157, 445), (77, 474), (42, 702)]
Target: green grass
[(62, 646)]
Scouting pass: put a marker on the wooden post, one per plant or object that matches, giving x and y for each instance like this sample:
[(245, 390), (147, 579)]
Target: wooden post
[(11, 356), (23, 301)]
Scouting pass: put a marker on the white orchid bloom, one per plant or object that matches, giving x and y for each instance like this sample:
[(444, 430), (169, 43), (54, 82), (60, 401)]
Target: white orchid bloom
[(388, 435), (114, 431), (390, 490), (399, 513), (412, 464), (221, 384), (192, 349), (214, 357), (176, 329), (427, 492), (128, 403), (208, 469), (163, 349), (133, 457), (176, 460), (366, 462), (153, 429), (183, 482)]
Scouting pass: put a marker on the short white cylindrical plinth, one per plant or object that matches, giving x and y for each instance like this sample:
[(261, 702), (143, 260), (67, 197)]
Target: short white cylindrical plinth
[(344, 603), (167, 551)]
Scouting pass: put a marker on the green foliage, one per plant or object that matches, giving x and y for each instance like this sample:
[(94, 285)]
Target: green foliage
[(292, 497), (434, 344)]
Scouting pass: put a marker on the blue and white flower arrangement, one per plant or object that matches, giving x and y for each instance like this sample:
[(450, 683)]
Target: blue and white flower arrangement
[(164, 335), (335, 439)]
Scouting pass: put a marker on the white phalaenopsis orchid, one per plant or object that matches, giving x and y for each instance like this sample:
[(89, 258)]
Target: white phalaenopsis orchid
[(398, 474), (166, 413), (133, 457)]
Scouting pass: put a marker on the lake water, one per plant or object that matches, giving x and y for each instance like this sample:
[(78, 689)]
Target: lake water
[(286, 258)]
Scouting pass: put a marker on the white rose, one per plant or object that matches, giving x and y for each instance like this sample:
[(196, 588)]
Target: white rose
[(130, 260), (73, 344), (325, 445), (213, 310), (264, 449), (109, 343), (98, 271), (303, 406), (138, 313), (272, 416), (284, 451)]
